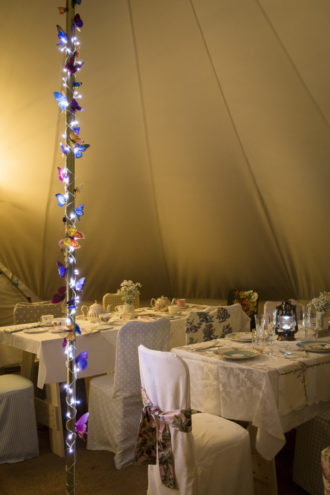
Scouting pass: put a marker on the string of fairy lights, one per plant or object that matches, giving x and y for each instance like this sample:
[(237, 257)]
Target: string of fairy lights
[(72, 149)]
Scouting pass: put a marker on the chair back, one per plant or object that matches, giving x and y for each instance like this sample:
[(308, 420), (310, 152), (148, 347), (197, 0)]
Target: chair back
[(31, 312), (202, 326), (165, 378), (153, 334), (248, 299), (270, 307), (325, 464), (114, 300)]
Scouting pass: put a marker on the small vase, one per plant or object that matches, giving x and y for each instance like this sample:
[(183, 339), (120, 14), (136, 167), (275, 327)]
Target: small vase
[(321, 320), (128, 309)]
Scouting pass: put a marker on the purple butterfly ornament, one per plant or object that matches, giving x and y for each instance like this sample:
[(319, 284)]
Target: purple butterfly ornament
[(81, 427), (81, 360)]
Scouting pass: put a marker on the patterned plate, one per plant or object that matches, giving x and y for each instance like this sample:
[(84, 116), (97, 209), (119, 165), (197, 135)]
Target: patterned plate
[(240, 336), (315, 346), (238, 354)]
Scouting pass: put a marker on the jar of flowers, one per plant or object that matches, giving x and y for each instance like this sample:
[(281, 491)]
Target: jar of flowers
[(322, 305), (128, 291)]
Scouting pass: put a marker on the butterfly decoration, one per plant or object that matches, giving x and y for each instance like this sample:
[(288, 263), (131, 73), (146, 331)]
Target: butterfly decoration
[(76, 2), (81, 360), (79, 211), (77, 329), (74, 233), (59, 295), (81, 427), (71, 304), (67, 242), (76, 84), (77, 22), (64, 150), (80, 284), (62, 10), (76, 129), (62, 37), (62, 174), (61, 100), (74, 106), (78, 188), (75, 138), (78, 149), (62, 270), (61, 199), (71, 66)]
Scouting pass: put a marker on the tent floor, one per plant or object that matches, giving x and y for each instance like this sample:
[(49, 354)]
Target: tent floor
[(95, 473)]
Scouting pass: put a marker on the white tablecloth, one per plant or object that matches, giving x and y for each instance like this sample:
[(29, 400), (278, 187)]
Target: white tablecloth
[(275, 393), (98, 340)]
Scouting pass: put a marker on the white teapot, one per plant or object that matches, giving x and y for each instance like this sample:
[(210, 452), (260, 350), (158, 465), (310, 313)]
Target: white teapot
[(94, 311), (160, 304)]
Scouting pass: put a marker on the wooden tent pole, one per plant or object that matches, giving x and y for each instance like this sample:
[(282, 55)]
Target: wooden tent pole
[(70, 274)]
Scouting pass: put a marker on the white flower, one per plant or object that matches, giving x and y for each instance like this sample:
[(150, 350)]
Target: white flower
[(129, 290), (322, 303)]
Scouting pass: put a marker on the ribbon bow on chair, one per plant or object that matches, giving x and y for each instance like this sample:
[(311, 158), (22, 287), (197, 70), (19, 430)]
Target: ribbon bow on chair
[(155, 436)]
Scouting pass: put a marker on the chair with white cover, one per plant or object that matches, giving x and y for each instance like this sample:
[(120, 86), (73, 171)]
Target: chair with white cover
[(325, 464), (211, 458), (115, 399), (112, 300), (202, 326), (31, 312), (18, 428), (270, 307)]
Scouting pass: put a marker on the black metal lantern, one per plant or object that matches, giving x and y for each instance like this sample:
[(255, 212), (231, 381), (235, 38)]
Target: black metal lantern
[(286, 324)]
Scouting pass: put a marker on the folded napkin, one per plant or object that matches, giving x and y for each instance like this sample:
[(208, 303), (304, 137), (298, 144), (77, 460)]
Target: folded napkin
[(19, 328)]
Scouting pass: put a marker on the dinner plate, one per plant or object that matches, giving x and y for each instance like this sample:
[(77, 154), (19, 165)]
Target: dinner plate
[(238, 354), (240, 336), (36, 330), (315, 346)]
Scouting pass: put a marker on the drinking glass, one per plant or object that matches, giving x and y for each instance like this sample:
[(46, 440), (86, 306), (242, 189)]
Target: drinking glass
[(259, 335)]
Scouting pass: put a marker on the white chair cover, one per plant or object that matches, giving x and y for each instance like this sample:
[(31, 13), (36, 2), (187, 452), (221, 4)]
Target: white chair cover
[(18, 428), (31, 312), (216, 323), (215, 457), (115, 400), (270, 307)]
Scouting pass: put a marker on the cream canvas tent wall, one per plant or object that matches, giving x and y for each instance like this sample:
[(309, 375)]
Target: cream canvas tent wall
[(210, 146), (12, 291)]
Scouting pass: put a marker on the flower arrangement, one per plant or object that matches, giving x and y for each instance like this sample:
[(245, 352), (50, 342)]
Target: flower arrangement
[(129, 290), (322, 303)]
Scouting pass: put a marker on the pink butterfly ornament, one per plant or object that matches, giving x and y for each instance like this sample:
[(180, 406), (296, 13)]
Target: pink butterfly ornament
[(81, 427)]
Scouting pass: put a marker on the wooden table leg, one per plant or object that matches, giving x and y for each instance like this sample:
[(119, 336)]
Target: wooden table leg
[(55, 419), (264, 472)]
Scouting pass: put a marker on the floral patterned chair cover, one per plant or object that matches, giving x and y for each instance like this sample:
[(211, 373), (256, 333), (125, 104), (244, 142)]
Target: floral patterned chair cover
[(213, 456), (217, 323), (325, 463), (248, 299), (115, 399)]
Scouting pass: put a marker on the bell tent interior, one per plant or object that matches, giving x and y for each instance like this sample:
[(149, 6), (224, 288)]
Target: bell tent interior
[(208, 168)]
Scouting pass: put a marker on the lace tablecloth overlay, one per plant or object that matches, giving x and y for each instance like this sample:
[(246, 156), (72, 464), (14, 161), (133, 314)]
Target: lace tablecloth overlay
[(274, 392)]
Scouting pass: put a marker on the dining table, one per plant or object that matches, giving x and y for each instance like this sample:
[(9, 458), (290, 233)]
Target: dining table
[(44, 343), (274, 391)]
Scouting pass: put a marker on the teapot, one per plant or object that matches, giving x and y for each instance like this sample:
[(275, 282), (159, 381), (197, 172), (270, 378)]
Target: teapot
[(160, 304), (94, 311)]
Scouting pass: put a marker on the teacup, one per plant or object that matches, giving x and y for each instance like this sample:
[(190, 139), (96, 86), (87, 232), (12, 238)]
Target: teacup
[(173, 309), (105, 317), (59, 322), (181, 303), (47, 319), (120, 309)]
